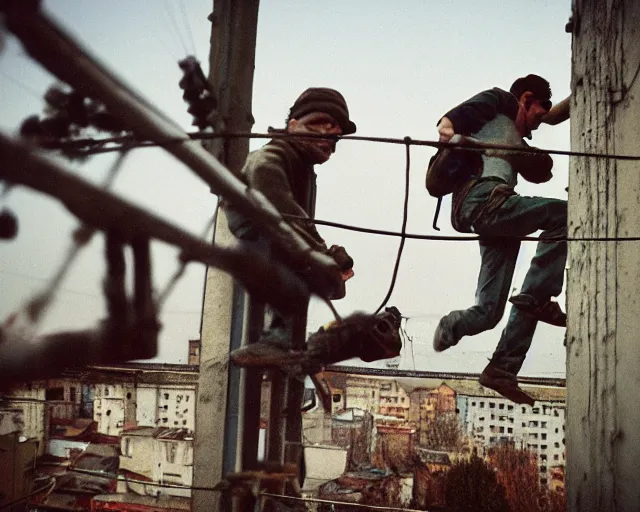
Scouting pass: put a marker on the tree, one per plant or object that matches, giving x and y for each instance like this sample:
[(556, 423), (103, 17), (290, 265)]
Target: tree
[(517, 471), (472, 486), (444, 432)]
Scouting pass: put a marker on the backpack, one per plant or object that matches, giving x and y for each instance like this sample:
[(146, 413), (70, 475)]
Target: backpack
[(450, 168)]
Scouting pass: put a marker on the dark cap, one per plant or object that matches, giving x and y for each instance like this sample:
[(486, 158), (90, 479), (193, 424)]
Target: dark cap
[(323, 99)]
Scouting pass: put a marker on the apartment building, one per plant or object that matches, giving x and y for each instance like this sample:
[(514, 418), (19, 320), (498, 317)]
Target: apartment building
[(490, 420)]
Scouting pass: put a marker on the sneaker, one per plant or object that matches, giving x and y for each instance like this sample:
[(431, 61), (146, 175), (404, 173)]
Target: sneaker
[(548, 312), (444, 338), (505, 384)]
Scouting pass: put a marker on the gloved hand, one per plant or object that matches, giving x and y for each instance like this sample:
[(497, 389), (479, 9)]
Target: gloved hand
[(344, 261), (338, 253)]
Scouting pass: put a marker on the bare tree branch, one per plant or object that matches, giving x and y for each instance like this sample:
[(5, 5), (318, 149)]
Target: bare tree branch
[(61, 55)]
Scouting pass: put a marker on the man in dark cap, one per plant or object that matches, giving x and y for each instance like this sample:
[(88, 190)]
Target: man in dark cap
[(283, 171), (486, 203)]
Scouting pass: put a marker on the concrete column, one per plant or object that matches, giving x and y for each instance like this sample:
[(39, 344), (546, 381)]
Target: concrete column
[(603, 289), (218, 414)]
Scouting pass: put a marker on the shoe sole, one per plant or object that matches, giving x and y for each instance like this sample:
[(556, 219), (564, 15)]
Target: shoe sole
[(438, 344), (515, 394)]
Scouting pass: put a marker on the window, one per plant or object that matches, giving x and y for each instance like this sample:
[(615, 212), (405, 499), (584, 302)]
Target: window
[(543, 481), (543, 436), (556, 431), (373, 394), (54, 394), (509, 407), (171, 452), (524, 410), (473, 404), (166, 396), (492, 405), (543, 446), (502, 430), (556, 457), (535, 410), (556, 445), (524, 424), (482, 404), (509, 430), (500, 406), (106, 391), (481, 419), (72, 394), (543, 424), (492, 439)]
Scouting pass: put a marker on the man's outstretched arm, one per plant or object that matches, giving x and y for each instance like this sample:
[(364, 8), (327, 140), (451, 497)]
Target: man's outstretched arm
[(559, 113)]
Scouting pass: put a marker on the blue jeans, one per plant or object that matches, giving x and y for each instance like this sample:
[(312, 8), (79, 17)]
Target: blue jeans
[(518, 216)]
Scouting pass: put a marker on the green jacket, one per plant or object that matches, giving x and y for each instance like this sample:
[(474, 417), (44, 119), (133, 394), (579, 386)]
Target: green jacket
[(280, 171)]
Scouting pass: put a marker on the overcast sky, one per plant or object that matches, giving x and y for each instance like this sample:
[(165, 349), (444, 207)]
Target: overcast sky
[(400, 65)]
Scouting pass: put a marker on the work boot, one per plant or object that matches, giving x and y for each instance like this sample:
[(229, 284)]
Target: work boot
[(272, 350), (548, 312), (443, 337), (504, 383)]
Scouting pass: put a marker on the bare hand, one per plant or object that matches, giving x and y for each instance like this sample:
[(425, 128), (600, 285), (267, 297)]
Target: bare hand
[(445, 129)]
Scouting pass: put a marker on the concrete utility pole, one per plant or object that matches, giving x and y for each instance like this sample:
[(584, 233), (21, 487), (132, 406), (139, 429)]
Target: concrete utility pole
[(603, 365), (231, 61)]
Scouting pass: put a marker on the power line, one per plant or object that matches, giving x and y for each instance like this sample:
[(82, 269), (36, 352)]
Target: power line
[(334, 502), (403, 239), (188, 25), (174, 25), (50, 486), (465, 238), (478, 147)]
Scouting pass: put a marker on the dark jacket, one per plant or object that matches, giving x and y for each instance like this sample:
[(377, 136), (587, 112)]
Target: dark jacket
[(280, 171), (470, 116)]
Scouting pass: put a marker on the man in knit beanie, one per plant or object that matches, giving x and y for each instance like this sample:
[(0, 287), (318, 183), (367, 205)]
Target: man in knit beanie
[(283, 171)]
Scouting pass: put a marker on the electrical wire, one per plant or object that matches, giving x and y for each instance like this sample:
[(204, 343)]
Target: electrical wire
[(50, 486), (334, 502), (185, 18), (202, 135), (184, 261), (174, 25), (464, 238), (405, 214)]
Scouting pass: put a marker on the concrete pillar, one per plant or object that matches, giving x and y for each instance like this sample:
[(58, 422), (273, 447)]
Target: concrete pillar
[(218, 418), (603, 289)]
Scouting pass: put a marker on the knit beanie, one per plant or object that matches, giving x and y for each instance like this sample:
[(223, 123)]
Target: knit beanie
[(323, 99)]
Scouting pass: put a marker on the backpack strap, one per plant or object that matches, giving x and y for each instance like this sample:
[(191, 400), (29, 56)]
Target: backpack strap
[(437, 214)]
